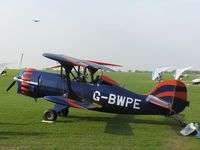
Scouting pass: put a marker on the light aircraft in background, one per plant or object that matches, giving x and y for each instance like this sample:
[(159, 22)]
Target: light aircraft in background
[(78, 85), (178, 74), (36, 20), (196, 81)]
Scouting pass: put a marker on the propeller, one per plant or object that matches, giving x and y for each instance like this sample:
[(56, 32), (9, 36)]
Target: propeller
[(17, 77), (12, 84)]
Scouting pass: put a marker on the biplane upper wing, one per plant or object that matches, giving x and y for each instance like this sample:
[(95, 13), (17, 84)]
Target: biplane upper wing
[(66, 60), (72, 103)]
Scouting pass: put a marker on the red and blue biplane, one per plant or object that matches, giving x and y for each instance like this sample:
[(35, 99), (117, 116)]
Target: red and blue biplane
[(77, 85)]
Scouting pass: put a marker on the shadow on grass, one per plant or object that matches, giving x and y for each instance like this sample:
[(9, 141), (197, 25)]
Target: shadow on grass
[(121, 118), (151, 121), (119, 124)]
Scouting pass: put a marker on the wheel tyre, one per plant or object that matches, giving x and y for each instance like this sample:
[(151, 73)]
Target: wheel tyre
[(50, 115), (64, 112)]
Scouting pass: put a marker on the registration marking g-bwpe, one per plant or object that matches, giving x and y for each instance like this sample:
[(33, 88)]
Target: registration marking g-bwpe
[(118, 100)]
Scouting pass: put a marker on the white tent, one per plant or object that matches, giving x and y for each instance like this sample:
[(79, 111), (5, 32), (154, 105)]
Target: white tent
[(178, 72), (158, 70)]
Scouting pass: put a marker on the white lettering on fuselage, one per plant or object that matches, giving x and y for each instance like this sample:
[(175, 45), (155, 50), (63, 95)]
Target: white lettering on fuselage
[(118, 100), (96, 96)]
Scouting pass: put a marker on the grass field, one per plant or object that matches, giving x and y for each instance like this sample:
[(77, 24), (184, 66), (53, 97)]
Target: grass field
[(21, 126)]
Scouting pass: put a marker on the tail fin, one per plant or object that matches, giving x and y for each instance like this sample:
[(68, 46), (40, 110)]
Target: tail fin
[(170, 94)]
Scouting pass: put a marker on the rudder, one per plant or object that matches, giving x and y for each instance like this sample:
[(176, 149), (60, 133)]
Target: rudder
[(173, 92)]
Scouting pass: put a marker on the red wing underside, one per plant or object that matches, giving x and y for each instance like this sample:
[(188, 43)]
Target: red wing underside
[(72, 103), (82, 105), (103, 63)]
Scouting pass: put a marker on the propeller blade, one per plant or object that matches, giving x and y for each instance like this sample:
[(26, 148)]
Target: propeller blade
[(11, 86)]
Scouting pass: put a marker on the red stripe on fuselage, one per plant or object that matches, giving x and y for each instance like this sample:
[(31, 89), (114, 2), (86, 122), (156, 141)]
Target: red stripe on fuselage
[(109, 80), (180, 95), (30, 69), (167, 82)]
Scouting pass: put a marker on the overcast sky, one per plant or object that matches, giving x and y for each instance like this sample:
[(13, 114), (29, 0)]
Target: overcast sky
[(138, 34)]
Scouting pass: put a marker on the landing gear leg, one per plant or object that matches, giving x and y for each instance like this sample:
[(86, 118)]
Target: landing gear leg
[(64, 112), (179, 120)]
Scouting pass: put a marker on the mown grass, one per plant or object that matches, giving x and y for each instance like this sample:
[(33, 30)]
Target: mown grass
[(21, 126)]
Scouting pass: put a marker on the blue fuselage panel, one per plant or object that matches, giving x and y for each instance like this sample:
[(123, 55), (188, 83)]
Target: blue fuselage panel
[(112, 98)]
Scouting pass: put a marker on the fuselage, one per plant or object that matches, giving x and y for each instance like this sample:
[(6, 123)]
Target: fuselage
[(112, 98)]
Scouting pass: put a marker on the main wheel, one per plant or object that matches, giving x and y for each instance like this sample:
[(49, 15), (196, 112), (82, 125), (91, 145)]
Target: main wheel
[(64, 112), (50, 115)]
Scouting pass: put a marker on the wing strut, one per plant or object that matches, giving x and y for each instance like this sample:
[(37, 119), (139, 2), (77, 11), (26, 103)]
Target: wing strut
[(71, 93)]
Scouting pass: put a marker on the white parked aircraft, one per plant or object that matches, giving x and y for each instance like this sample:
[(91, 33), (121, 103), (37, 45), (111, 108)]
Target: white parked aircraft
[(178, 72), (196, 81), (3, 67), (156, 73)]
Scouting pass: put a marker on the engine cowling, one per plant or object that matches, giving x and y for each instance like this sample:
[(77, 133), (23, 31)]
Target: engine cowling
[(28, 82)]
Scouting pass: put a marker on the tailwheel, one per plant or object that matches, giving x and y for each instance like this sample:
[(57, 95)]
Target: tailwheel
[(50, 115), (64, 112)]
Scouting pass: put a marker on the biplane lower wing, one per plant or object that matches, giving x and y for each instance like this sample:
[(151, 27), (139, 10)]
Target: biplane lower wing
[(72, 103)]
